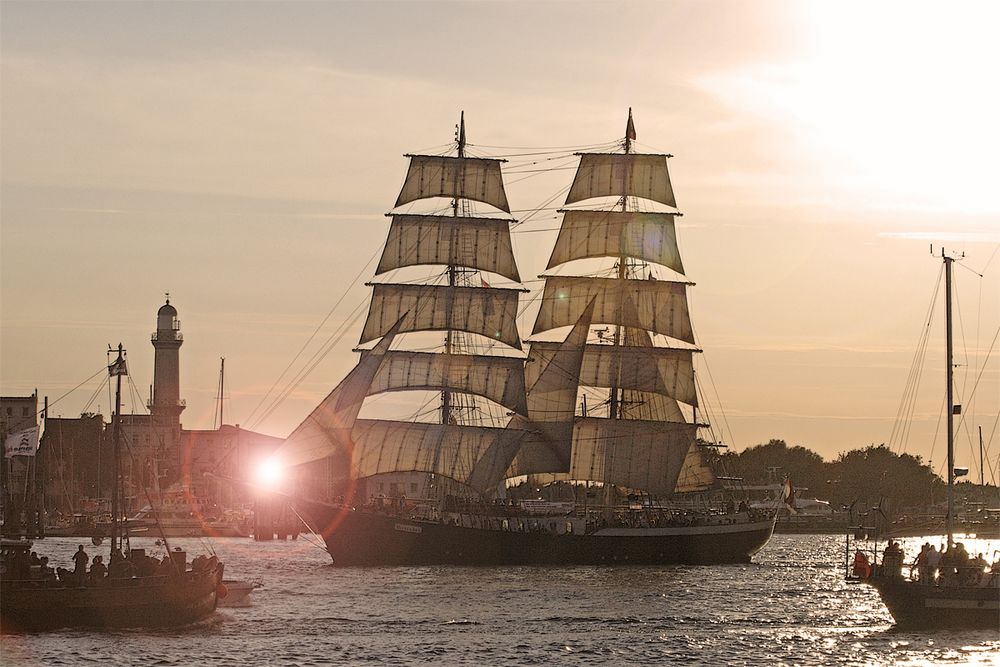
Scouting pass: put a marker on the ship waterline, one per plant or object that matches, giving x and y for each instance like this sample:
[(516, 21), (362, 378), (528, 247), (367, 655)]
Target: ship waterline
[(358, 537)]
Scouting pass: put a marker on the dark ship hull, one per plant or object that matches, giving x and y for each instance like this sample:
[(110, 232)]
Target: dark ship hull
[(916, 605), (164, 601), (360, 538)]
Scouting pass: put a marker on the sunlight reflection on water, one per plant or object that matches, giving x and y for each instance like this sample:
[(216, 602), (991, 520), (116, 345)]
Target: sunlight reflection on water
[(791, 606)]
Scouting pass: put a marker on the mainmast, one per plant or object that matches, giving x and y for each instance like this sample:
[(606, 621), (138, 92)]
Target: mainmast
[(116, 370), (452, 269), (951, 399), (648, 448), (615, 407)]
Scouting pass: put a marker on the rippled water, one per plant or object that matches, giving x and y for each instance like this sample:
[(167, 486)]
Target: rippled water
[(791, 606)]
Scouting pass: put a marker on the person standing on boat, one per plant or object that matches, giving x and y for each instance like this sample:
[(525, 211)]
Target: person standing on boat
[(933, 563), (80, 560)]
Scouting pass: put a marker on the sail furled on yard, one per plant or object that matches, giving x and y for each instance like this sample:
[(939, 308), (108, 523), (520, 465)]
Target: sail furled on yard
[(476, 243), (635, 454), (659, 306), (478, 179), (326, 431), (647, 236), (617, 175), (470, 454), (487, 311), (500, 379)]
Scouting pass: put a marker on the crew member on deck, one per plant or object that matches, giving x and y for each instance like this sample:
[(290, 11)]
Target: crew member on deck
[(80, 560)]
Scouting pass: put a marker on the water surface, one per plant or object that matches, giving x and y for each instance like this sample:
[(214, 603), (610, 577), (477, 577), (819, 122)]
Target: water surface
[(790, 606)]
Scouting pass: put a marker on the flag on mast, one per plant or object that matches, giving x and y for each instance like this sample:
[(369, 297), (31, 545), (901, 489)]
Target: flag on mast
[(630, 128), (118, 367)]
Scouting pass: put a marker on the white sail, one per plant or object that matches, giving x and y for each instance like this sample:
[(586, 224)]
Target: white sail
[(650, 406), (551, 404), (662, 370), (487, 311), (695, 474), (659, 306), (478, 179), (477, 243), (458, 452), (618, 174), (647, 236), (500, 379), (326, 431), (630, 453)]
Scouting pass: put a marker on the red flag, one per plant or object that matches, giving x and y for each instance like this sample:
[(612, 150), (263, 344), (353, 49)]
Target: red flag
[(630, 128)]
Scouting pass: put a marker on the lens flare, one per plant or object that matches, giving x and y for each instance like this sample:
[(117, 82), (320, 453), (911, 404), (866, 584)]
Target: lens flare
[(269, 473)]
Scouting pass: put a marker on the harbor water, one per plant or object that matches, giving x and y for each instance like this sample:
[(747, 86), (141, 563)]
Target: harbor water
[(790, 606)]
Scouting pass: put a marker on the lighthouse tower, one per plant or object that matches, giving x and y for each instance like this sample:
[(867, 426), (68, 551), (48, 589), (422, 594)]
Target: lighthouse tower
[(166, 404)]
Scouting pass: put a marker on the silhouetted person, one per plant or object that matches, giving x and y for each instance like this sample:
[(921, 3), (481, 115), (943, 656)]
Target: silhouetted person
[(80, 560), (98, 570)]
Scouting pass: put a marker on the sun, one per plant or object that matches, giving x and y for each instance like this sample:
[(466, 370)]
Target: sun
[(269, 473)]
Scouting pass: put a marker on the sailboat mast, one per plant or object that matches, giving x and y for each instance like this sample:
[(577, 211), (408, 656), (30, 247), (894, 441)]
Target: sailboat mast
[(117, 501), (949, 519)]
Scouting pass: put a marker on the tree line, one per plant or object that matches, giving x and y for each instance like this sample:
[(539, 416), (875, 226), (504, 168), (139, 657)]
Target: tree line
[(862, 477)]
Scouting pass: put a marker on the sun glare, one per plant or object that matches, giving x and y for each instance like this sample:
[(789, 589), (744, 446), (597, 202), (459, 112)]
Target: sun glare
[(898, 98), (269, 473)]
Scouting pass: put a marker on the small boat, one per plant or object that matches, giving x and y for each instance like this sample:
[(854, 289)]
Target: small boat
[(961, 597), (137, 591), (236, 593)]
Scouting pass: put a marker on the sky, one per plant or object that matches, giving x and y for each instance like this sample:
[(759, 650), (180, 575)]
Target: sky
[(241, 156)]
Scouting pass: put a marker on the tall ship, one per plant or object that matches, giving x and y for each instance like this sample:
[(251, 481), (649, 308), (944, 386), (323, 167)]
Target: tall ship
[(606, 413)]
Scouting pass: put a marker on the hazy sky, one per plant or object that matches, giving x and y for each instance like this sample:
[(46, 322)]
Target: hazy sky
[(241, 156)]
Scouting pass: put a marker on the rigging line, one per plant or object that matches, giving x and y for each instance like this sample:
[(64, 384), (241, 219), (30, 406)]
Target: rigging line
[(314, 333), (541, 207), (103, 369), (537, 171), (990, 260), (93, 397), (312, 364), (979, 377), (577, 147), (916, 365)]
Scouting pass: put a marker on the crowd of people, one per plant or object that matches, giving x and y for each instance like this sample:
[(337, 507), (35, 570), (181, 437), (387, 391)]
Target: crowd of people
[(947, 567), (94, 571)]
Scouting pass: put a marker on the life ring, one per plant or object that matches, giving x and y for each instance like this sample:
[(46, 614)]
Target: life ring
[(221, 590)]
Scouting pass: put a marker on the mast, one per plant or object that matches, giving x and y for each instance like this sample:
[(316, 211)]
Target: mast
[(222, 387), (614, 403), (116, 370), (646, 448), (949, 520), (452, 269)]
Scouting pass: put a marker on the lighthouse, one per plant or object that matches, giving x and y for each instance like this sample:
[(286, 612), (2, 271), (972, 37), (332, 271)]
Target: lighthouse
[(166, 404)]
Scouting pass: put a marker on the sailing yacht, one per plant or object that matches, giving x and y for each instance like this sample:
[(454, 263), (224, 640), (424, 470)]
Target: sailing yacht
[(960, 597), (636, 449)]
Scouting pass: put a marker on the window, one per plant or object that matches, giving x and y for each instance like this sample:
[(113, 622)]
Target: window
[(9, 412), (24, 412), (413, 487)]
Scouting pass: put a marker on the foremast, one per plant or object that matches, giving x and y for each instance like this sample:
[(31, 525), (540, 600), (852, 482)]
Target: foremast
[(465, 307), (645, 441)]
